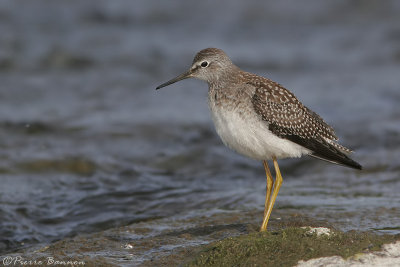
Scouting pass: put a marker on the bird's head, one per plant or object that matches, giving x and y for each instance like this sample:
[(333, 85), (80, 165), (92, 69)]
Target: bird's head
[(209, 65)]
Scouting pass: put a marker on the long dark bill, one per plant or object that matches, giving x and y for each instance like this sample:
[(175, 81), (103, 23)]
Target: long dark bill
[(176, 79)]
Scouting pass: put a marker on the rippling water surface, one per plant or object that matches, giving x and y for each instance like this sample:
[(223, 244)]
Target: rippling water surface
[(87, 144)]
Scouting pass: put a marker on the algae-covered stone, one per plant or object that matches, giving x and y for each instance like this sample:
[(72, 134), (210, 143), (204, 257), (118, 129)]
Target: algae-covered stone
[(287, 247)]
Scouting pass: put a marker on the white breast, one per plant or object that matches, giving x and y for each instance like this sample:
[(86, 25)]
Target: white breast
[(248, 134)]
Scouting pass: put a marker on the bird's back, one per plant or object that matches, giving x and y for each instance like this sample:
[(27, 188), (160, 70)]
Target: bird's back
[(288, 118), (281, 113)]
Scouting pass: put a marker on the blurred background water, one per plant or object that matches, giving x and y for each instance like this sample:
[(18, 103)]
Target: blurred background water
[(88, 144)]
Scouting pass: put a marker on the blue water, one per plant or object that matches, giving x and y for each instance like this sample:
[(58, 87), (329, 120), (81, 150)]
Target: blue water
[(88, 144)]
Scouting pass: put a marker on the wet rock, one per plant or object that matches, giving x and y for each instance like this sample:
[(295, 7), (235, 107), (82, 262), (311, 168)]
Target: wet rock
[(215, 238), (388, 256), (288, 246)]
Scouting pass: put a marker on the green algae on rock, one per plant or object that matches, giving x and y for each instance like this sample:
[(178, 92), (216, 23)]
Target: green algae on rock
[(287, 247)]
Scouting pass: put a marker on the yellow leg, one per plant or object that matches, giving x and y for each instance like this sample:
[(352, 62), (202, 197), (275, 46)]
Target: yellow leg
[(271, 202), (270, 184)]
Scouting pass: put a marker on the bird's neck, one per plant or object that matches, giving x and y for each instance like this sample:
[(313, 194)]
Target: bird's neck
[(225, 79)]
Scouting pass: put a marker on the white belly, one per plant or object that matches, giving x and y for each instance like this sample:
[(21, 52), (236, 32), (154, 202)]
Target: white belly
[(251, 137)]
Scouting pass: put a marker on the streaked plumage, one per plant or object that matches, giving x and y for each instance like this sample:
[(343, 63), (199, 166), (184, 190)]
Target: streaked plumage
[(261, 119), (284, 115)]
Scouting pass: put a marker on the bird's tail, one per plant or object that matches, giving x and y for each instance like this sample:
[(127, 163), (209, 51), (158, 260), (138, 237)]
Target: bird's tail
[(334, 153), (326, 150)]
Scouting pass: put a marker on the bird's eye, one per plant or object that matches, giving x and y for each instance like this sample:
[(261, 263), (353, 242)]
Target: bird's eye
[(204, 64)]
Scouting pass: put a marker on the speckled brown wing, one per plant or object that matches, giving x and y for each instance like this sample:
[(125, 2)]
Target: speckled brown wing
[(288, 118)]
